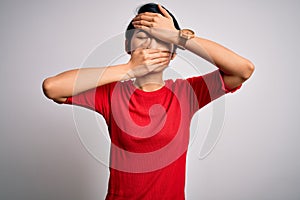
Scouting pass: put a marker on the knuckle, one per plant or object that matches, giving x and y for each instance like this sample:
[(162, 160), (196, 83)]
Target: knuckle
[(144, 56), (143, 52)]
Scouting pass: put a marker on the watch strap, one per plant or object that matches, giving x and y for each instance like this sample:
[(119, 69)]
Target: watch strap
[(184, 36)]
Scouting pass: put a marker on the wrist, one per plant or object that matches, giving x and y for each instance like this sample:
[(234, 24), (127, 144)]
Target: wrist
[(174, 37), (127, 71), (184, 36)]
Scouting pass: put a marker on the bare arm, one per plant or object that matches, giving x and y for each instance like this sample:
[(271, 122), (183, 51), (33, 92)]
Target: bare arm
[(235, 68), (75, 81)]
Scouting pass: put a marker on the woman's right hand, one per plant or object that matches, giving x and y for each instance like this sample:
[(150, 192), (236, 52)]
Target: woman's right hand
[(144, 61)]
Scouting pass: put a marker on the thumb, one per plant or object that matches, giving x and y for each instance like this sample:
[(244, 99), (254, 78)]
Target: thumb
[(164, 12)]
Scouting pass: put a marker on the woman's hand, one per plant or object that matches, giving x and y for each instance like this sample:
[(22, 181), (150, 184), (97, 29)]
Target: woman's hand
[(144, 61), (157, 25)]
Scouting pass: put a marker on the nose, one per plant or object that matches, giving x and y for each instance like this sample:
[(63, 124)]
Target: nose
[(150, 43)]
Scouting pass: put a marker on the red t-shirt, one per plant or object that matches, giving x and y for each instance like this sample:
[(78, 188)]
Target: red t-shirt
[(149, 133)]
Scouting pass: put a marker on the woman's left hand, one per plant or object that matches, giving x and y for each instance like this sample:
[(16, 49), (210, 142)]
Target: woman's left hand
[(157, 25)]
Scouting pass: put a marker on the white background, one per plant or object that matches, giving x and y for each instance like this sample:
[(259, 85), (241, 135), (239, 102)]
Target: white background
[(41, 156)]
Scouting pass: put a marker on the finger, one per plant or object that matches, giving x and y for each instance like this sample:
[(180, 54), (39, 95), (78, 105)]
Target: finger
[(158, 61), (156, 50), (164, 12), (159, 55), (138, 49), (144, 28), (143, 23), (158, 66), (146, 52), (150, 14), (143, 17)]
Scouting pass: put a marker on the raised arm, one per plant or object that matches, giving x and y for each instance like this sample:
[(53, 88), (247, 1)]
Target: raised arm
[(235, 69), (75, 81), (72, 82)]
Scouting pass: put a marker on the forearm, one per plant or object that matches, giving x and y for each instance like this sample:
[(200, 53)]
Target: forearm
[(161, 26), (75, 81), (226, 60)]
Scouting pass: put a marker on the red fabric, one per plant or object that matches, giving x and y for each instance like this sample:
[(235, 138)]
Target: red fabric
[(149, 132)]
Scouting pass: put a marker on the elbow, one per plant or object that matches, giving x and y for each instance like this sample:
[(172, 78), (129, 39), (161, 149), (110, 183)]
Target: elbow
[(48, 88), (248, 69)]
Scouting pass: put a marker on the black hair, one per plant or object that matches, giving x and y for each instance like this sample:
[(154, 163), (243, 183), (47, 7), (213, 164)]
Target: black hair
[(149, 7)]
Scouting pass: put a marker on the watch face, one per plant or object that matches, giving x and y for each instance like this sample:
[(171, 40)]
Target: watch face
[(187, 33)]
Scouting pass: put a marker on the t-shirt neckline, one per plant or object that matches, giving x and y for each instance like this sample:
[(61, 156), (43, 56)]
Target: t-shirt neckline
[(149, 93)]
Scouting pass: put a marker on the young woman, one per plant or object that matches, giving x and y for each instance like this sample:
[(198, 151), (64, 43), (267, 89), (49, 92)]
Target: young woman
[(148, 118)]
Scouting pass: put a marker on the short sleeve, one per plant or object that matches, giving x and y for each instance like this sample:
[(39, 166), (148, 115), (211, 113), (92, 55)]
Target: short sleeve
[(209, 87), (97, 99)]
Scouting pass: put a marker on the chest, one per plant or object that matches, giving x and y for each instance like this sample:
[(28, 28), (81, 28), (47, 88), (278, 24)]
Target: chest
[(146, 124)]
